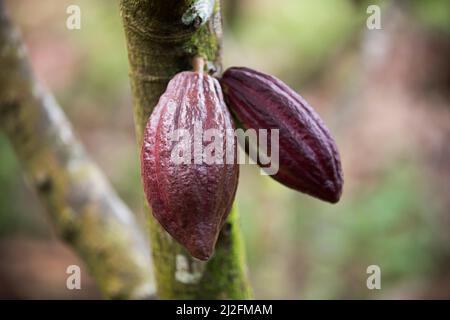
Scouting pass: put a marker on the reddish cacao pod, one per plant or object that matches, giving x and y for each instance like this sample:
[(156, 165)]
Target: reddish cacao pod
[(308, 157), (190, 199)]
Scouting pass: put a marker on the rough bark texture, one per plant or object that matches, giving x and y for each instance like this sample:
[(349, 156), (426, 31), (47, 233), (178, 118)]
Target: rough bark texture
[(84, 209), (161, 41)]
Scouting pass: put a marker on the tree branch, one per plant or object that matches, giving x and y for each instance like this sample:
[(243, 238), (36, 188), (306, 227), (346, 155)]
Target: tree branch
[(83, 207), (162, 37)]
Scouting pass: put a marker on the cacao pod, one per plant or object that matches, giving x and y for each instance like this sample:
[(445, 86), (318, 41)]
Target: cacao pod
[(308, 157), (192, 199)]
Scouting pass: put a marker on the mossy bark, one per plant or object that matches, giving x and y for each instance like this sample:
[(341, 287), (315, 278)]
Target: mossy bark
[(162, 42), (83, 207)]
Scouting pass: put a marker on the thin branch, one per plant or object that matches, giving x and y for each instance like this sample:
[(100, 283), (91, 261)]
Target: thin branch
[(83, 207)]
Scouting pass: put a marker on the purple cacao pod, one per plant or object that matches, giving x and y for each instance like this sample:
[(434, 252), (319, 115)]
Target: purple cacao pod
[(308, 157), (191, 199)]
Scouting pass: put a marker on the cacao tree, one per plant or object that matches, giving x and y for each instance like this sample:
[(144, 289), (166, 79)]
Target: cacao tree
[(163, 37)]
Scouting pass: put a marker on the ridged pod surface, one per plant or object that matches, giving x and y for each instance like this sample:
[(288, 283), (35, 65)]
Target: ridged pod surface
[(308, 158), (191, 200)]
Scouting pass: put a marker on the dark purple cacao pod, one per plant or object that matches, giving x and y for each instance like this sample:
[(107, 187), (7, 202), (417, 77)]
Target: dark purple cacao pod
[(191, 200), (308, 157)]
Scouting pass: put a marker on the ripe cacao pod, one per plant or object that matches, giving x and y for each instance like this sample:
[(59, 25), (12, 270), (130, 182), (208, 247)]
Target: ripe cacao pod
[(308, 157), (191, 200)]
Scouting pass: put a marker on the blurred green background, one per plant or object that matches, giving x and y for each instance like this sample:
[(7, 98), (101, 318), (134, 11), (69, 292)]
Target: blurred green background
[(384, 94)]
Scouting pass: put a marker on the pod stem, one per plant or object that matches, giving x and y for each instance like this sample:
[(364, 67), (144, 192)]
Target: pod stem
[(198, 63)]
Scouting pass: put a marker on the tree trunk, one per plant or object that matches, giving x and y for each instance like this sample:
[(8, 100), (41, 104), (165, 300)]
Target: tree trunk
[(83, 207), (162, 38)]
